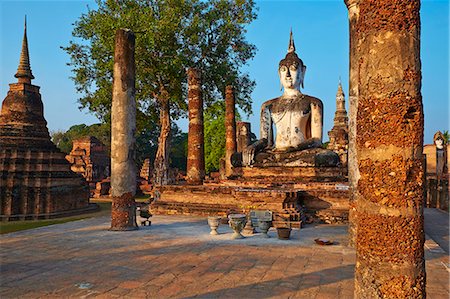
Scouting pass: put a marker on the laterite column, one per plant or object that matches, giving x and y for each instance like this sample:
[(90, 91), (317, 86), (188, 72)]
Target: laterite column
[(353, 172), (243, 132), (230, 129), (389, 142), (196, 151), (123, 127)]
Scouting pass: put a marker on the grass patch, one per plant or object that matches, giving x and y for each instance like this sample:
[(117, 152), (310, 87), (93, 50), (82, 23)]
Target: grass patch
[(15, 226)]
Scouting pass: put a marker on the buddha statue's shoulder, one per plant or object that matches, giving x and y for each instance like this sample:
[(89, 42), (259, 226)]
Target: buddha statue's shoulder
[(270, 102), (312, 100)]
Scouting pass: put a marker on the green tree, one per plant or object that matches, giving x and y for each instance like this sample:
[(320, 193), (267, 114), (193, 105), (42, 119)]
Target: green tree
[(214, 120), (60, 140), (171, 35), (64, 140), (214, 139), (178, 149), (146, 142), (446, 136)]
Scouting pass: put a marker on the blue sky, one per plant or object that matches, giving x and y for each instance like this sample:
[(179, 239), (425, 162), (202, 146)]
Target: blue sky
[(321, 37)]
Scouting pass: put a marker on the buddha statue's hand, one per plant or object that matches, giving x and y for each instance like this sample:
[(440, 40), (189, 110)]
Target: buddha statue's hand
[(248, 154), (310, 143)]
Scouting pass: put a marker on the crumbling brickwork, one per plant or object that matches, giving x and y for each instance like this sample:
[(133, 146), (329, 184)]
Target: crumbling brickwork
[(35, 179), (389, 134), (89, 158), (339, 133), (196, 150), (243, 135), (123, 127), (230, 129)]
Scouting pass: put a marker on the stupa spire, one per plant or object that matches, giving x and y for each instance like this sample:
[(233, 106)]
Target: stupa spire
[(291, 47), (24, 70), (340, 91)]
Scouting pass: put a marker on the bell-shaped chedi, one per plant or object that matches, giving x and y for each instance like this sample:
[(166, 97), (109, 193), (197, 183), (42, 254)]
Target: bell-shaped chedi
[(35, 178), (339, 133)]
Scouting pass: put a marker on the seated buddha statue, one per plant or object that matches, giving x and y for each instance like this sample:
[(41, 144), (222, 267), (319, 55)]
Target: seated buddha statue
[(297, 118)]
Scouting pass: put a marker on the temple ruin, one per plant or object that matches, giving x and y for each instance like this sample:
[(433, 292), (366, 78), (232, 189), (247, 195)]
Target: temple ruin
[(123, 127), (230, 129), (243, 135), (35, 179), (288, 173), (437, 175), (339, 133), (89, 158), (195, 172)]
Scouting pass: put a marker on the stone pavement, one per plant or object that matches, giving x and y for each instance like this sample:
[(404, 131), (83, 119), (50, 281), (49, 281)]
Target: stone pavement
[(437, 227), (176, 257)]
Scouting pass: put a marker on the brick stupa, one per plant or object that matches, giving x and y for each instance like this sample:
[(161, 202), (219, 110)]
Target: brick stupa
[(339, 133), (35, 178)]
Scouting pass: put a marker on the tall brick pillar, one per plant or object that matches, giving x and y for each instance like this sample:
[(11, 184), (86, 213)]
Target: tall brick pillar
[(123, 127), (389, 141), (353, 171), (230, 129), (196, 151), (243, 132)]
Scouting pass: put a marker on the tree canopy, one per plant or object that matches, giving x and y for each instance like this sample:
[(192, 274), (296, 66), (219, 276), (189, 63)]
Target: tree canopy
[(64, 140), (214, 121), (146, 142), (171, 36)]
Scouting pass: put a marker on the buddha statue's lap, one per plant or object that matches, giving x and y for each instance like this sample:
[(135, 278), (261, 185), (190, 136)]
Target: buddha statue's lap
[(297, 119)]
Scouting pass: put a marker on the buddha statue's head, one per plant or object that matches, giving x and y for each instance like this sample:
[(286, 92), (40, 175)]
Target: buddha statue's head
[(291, 69), (439, 140)]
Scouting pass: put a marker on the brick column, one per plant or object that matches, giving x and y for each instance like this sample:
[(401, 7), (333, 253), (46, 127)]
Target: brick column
[(389, 142), (230, 129), (243, 132), (123, 127), (353, 171), (196, 151)]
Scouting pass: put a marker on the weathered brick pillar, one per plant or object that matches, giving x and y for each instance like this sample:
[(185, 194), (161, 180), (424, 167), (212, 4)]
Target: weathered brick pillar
[(123, 127), (196, 151), (230, 129), (389, 141), (243, 131), (353, 172)]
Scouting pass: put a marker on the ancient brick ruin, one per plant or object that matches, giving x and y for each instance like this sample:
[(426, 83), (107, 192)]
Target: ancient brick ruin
[(339, 133), (389, 136), (35, 179), (146, 170), (243, 135), (291, 175), (89, 158), (437, 157), (123, 127), (230, 129), (195, 172)]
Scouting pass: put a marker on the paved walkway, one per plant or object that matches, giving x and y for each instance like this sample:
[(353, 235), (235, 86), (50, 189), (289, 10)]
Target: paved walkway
[(176, 257), (437, 227)]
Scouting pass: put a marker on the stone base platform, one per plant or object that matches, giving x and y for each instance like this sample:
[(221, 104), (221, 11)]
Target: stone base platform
[(222, 200), (322, 201), (291, 174)]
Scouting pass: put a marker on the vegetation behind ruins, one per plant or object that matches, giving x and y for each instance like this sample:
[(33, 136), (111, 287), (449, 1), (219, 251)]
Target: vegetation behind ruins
[(171, 36)]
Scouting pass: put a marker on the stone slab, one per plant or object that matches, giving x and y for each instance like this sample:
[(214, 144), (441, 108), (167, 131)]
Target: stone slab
[(177, 258)]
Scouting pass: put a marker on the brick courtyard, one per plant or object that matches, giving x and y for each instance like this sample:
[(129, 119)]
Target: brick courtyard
[(176, 257)]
